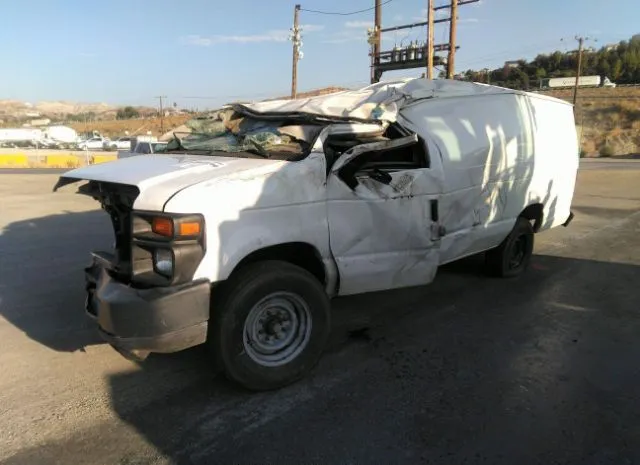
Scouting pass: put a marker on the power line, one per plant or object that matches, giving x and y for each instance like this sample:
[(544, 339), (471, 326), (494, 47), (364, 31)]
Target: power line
[(534, 47), (336, 13)]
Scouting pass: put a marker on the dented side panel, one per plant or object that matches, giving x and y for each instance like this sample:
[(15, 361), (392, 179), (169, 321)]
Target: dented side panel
[(249, 211), (383, 236), (500, 154)]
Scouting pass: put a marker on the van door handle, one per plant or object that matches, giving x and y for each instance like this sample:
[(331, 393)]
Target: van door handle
[(434, 210), (435, 217)]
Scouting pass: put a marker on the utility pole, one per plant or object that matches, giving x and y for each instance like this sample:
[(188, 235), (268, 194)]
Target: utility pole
[(377, 25), (295, 38), (579, 70), (451, 61), (430, 38), (407, 58), (160, 97)]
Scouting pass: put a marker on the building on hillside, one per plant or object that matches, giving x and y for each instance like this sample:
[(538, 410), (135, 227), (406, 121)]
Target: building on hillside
[(509, 65), (40, 122)]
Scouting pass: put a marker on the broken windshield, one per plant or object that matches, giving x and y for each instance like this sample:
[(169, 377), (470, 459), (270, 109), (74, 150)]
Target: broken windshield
[(228, 133)]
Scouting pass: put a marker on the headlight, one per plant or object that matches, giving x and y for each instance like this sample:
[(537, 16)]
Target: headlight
[(163, 262), (166, 248), (176, 228)]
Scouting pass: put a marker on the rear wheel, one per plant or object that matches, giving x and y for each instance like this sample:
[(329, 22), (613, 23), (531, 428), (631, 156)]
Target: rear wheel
[(512, 257), (270, 325)]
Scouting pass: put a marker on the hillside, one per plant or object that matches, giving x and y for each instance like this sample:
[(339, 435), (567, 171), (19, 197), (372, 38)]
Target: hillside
[(115, 128), (620, 62), (607, 117), (14, 109)]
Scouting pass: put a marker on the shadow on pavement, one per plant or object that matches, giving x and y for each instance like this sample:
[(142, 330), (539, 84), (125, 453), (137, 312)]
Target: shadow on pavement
[(540, 369), (466, 370), (42, 277)]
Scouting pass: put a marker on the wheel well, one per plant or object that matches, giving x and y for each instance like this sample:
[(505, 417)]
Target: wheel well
[(300, 254), (534, 213)]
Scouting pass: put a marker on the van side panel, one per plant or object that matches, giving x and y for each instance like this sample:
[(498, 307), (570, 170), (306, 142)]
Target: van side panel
[(557, 159), (487, 146), (250, 211)]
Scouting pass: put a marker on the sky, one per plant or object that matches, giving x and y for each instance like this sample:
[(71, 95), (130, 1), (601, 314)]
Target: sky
[(202, 53)]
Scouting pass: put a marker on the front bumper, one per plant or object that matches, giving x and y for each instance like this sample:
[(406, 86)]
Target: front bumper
[(161, 319)]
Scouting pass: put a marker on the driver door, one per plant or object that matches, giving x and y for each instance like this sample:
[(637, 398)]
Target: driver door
[(382, 201)]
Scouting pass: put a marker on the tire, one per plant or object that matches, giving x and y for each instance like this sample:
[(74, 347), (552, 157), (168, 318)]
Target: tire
[(512, 257), (269, 325)]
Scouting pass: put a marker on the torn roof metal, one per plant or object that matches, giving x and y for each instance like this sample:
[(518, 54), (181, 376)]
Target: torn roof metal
[(380, 101)]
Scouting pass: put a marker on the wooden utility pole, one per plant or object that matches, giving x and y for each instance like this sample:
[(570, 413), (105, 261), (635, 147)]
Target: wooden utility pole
[(393, 60), (430, 39), (377, 25), (451, 60), (579, 70), (296, 51), (160, 97)]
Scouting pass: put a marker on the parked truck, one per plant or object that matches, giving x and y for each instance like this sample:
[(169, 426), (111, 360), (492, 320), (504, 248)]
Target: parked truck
[(570, 82), (142, 145), (20, 137), (56, 136), (239, 236), (60, 137)]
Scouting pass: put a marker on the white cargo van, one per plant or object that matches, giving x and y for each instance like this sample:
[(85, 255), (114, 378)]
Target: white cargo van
[(239, 234)]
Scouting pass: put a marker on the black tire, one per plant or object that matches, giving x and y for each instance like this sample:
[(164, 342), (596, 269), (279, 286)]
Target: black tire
[(512, 257), (240, 296)]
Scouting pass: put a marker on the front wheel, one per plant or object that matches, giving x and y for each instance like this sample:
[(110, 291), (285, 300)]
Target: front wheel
[(271, 325), (512, 257)]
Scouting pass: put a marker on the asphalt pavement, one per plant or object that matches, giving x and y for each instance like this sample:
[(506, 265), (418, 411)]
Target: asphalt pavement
[(468, 370)]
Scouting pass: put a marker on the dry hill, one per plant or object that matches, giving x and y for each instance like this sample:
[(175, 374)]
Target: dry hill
[(609, 119)]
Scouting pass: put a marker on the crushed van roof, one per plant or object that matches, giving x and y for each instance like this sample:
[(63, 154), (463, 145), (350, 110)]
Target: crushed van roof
[(380, 101)]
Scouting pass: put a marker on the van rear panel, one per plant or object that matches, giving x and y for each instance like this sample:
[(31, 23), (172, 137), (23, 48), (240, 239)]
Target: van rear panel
[(556, 160), (499, 154)]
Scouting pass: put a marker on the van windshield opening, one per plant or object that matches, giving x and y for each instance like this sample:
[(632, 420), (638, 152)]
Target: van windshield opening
[(228, 133)]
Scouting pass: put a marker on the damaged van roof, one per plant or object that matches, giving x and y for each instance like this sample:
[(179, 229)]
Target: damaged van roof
[(380, 101)]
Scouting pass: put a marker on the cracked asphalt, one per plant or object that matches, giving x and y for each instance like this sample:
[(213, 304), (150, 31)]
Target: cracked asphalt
[(542, 369)]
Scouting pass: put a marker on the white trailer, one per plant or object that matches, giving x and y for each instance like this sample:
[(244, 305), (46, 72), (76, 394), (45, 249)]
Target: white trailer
[(570, 82), (59, 136), (20, 137)]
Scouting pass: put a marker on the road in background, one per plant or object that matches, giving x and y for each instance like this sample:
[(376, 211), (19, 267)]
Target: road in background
[(540, 369), (609, 164)]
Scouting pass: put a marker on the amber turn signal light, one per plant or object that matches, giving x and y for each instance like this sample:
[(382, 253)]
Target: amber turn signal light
[(189, 229), (162, 226)]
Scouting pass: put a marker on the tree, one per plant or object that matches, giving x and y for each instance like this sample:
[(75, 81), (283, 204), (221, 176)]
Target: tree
[(620, 63), (617, 69), (127, 113)]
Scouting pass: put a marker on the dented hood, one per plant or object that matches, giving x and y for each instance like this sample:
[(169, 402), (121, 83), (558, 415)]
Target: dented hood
[(160, 177)]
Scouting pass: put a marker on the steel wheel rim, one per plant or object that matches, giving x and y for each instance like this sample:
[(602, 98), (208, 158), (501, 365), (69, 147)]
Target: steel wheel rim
[(277, 329)]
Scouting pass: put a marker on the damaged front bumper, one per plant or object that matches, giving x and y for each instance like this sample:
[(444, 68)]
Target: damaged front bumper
[(139, 321)]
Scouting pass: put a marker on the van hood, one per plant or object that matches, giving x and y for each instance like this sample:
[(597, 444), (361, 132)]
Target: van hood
[(160, 177)]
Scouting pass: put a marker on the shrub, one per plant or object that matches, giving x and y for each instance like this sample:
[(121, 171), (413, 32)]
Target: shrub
[(606, 151)]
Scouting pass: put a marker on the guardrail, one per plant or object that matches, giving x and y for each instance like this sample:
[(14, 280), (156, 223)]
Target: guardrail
[(12, 158)]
